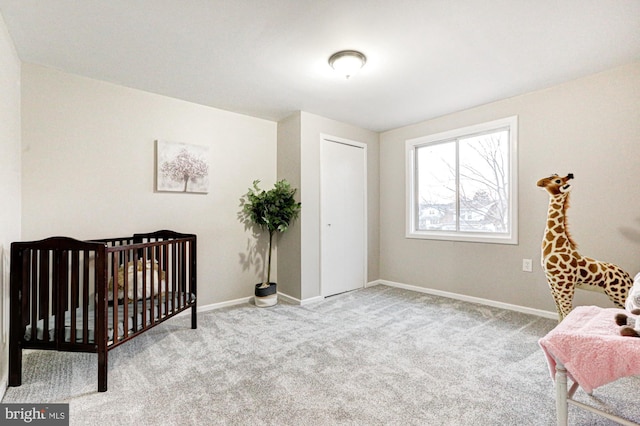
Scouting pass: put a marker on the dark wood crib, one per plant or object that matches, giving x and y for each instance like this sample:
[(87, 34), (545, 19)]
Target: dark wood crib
[(91, 296)]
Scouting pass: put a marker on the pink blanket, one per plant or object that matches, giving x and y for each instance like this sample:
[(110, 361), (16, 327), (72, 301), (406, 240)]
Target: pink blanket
[(588, 343)]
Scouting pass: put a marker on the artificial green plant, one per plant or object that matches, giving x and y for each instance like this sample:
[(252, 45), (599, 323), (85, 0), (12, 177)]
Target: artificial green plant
[(273, 210)]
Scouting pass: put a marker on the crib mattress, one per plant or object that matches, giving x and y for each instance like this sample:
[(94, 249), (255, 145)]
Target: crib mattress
[(155, 308)]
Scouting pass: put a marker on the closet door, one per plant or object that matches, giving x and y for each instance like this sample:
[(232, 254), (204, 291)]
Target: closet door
[(343, 216)]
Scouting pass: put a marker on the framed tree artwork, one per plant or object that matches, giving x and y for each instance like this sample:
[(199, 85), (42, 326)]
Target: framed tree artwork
[(182, 167)]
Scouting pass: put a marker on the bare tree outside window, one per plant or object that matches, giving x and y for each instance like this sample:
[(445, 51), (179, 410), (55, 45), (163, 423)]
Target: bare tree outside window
[(462, 184), (484, 175)]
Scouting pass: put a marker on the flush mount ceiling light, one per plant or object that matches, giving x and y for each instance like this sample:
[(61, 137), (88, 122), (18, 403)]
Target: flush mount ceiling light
[(347, 62)]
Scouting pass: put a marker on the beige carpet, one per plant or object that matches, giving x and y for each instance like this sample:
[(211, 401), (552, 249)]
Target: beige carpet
[(377, 356)]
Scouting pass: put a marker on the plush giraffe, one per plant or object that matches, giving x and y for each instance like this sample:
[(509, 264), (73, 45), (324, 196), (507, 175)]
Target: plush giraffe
[(565, 268)]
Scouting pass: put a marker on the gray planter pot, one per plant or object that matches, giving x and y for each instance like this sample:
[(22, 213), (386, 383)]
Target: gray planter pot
[(267, 296)]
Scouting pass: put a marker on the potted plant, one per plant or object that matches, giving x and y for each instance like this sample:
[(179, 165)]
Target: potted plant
[(273, 211)]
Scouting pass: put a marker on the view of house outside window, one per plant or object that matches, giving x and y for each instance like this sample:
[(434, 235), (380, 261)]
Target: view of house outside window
[(461, 184)]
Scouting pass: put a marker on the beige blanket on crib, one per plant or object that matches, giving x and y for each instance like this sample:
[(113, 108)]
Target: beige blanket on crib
[(147, 274)]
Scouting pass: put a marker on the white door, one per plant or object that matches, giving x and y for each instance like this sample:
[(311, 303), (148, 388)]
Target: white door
[(343, 216)]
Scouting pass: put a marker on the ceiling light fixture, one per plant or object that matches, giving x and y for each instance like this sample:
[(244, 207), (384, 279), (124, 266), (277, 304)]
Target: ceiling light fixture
[(347, 62)]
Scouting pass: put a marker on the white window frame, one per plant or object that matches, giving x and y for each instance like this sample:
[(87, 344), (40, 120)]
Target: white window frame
[(411, 145)]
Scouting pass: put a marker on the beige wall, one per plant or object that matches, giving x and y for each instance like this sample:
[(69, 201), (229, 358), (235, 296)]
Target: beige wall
[(88, 171), (9, 180), (288, 245), (312, 127), (590, 127), (299, 137)]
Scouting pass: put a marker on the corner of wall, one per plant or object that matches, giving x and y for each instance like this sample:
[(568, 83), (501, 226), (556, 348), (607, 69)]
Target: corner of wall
[(288, 266), (10, 179)]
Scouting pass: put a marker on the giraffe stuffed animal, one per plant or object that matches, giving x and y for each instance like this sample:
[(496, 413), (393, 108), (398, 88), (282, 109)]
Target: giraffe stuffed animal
[(565, 268)]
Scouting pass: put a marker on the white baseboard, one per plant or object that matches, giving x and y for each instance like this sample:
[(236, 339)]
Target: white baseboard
[(4, 382), (441, 293), (376, 282), (224, 304), (219, 305), (316, 298), (300, 302), (286, 297), (464, 298)]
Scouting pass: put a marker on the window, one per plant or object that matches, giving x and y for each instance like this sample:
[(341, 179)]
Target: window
[(461, 185)]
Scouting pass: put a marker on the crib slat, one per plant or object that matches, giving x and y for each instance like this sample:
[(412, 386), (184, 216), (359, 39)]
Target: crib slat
[(175, 279), (152, 285), (60, 294), (96, 278), (179, 273), (193, 282), (183, 267), (75, 284), (43, 295), (85, 298), (134, 322), (116, 286), (165, 267), (127, 288), (144, 289), (174, 275)]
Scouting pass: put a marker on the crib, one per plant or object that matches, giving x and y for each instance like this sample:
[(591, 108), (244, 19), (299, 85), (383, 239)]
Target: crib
[(92, 296)]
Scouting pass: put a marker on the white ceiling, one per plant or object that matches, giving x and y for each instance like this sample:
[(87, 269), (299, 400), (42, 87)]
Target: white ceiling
[(268, 58)]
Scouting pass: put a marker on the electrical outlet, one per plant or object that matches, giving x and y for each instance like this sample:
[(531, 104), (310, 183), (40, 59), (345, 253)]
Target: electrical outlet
[(527, 265)]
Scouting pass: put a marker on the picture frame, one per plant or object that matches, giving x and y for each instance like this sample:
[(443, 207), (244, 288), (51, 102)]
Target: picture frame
[(182, 167)]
